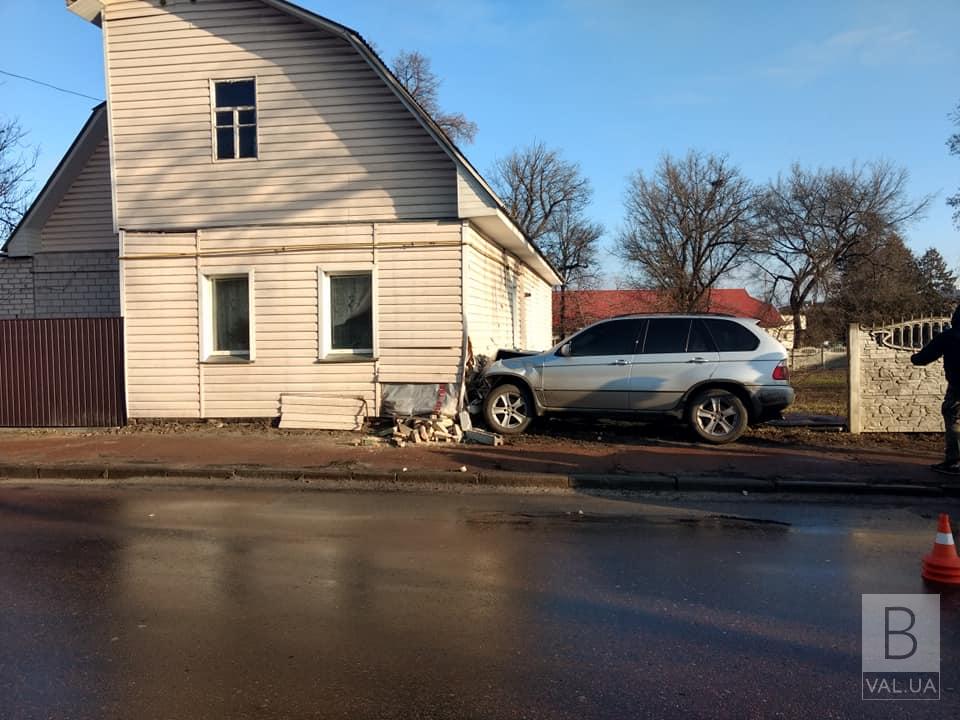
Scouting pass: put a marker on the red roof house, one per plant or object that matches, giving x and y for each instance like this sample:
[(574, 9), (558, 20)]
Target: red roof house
[(583, 307)]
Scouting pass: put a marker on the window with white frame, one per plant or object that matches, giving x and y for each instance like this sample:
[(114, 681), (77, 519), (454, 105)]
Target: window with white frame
[(228, 316), (347, 305), (235, 119)]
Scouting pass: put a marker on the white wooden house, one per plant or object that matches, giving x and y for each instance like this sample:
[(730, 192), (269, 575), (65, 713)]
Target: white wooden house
[(279, 217)]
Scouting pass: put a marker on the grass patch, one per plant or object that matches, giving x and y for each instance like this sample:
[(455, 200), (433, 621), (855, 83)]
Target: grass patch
[(820, 392)]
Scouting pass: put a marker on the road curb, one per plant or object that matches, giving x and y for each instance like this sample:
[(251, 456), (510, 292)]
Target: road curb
[(247, 476)]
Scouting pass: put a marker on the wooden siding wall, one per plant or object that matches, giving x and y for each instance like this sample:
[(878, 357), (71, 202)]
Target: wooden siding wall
[(538, 311), (499, 314), (84, 218), (420, 330), (421, 314), (492, 304), (160, 305), (473, 199), (335, 144)]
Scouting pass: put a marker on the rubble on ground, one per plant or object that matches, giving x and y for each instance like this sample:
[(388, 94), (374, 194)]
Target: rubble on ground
[(437, 429)]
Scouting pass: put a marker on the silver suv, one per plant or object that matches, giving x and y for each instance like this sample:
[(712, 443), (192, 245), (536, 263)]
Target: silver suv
[(717, 373)]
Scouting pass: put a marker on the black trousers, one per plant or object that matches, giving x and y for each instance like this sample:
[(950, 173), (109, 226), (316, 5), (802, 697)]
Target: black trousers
[(951, 423)]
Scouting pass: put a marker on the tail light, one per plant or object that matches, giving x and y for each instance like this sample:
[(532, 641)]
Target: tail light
[(781, 371)]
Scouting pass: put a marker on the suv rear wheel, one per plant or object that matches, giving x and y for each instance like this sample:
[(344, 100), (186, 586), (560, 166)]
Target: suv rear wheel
[(717, 416), (508, 409)]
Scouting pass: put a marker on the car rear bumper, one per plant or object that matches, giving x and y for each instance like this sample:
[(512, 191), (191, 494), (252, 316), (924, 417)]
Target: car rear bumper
[(769, 401)]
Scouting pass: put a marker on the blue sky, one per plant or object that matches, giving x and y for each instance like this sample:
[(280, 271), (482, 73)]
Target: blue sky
[(616, 83)]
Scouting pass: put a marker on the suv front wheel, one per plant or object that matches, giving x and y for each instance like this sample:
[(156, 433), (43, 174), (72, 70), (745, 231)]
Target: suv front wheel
[(508, 409), (717, 416)]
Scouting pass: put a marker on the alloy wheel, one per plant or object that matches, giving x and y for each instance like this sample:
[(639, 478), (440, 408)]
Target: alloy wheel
[(510, 410), (717, 416)]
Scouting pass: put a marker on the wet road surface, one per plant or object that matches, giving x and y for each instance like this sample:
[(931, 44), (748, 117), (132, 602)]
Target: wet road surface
[(189, 605)]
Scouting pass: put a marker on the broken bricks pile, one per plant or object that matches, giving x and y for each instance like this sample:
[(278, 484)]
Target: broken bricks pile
[(439, 429)]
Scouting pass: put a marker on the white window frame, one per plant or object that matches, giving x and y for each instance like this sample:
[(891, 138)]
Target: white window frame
[(236, 119), (206, 280), (324, 321)]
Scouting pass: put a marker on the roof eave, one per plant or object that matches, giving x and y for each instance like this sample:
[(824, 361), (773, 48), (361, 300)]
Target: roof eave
[(87, 9), (505, 232)]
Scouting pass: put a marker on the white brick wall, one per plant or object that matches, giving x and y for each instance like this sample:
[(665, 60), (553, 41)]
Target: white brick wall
[(77, 284), (61, 285), (16, 288)]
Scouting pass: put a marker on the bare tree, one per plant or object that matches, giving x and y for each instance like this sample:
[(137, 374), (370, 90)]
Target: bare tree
[(415, 73), (572, 245), (953, 142), (815, 223), (17, 162), (688, 225), (538, 187), (547, 197)]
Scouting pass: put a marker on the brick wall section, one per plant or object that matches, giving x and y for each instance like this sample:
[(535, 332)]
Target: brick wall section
[(77, 284), (16, 288), (61, 285), (889, 394)]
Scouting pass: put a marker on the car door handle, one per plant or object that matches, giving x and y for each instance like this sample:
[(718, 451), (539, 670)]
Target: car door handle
[(620, 362), (698, 360)]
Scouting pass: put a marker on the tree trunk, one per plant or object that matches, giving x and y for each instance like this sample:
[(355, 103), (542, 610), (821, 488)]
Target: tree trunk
[(796, 307)]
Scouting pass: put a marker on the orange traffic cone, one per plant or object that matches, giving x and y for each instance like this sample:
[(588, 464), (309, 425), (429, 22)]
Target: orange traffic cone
[(942, 565)]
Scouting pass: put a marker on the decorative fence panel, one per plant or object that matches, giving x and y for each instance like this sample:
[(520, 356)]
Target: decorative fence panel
[(886, 392), (62, 373)]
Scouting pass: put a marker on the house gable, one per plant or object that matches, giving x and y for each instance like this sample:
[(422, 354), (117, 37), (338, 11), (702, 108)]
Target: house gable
[(335, 143), (73, 210), (471, 196)]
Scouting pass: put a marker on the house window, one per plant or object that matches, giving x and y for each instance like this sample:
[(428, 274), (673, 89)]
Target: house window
[(231, 315), (235, 119), (347, 309), (228, 322)]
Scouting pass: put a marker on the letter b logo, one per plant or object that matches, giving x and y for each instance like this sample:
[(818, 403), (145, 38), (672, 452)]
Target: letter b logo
[(901, 616)]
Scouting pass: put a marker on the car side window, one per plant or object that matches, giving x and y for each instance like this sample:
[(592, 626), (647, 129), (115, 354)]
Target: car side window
[(732, 337), (617, 337), (667, 335), (700, 340)]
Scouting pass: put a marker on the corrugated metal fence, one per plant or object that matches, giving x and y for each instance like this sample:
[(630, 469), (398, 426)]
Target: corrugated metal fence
[(62, 373)]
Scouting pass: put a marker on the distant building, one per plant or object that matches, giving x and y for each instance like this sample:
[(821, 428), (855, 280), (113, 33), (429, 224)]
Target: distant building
[(584, 307), (785, 332)]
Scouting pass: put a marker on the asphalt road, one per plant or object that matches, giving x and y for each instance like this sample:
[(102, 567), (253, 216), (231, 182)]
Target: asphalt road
[(195, 605)]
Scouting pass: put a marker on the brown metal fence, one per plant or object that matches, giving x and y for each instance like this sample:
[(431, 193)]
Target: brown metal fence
[(62, 373)]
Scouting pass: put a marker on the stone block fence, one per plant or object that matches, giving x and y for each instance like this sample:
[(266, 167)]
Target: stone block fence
[(886, 392)]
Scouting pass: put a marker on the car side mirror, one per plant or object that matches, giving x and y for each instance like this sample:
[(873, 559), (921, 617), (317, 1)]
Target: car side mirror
[(564, 350)]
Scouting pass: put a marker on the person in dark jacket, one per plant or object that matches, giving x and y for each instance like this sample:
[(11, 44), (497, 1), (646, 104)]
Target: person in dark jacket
[(946, 345)]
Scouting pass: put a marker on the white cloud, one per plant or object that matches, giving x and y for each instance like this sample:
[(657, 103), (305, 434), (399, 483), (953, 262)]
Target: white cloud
[(864, 47)]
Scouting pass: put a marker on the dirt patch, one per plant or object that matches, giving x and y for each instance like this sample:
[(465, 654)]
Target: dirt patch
[(587, 433), (927, 444)]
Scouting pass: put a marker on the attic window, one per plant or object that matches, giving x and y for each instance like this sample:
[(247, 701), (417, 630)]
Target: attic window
[(235, 119)]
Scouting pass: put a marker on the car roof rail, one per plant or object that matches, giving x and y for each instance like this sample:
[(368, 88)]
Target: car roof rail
[(680, 314)]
